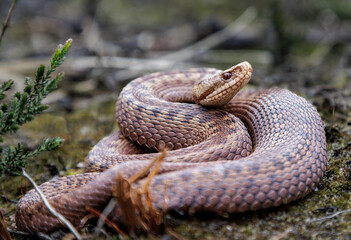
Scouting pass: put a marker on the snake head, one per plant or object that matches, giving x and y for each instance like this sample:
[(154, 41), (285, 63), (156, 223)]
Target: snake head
[(220, 88)]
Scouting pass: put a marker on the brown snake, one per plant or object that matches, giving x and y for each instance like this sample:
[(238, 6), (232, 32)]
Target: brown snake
[(282, 155)]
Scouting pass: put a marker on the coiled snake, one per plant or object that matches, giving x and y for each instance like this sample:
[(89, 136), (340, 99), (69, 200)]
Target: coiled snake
[(261, 149)]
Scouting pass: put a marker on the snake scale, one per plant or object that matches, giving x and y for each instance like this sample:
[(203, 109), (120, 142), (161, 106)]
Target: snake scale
[(261, 149)]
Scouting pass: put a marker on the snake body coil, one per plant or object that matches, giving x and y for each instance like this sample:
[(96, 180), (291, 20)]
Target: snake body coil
[(216, 164)]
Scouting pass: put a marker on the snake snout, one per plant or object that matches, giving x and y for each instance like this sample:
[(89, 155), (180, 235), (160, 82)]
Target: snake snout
[(247, 66)]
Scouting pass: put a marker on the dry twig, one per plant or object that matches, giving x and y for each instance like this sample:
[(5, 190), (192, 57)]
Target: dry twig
[(174, 234), (51, 209), (8, 199), (106, 220), (331, 216), (4, 233), (28, 235), (7, 21), (136, 216)]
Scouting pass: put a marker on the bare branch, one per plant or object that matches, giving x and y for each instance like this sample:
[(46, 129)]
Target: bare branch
[(331, 216), (103, 219), (28, 235), (8, 199), (4, 233), (7, 21), (51, 209)]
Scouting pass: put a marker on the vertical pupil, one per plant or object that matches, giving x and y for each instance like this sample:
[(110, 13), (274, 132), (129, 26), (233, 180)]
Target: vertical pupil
[(226, 76)]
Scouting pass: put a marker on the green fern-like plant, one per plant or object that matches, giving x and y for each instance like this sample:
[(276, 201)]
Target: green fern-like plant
[(23, 107)]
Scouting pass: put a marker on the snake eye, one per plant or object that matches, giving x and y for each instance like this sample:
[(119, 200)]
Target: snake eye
[(227, 75)]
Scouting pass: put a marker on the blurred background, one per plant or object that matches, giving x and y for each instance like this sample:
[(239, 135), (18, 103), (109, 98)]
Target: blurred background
[(296, 44), (304, 46)]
